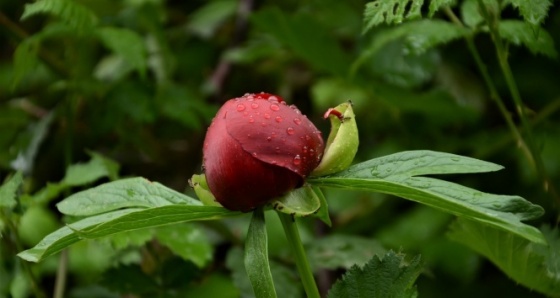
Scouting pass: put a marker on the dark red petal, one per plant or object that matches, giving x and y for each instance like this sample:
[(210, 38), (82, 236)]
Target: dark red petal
[(238, 180), (274, 132)]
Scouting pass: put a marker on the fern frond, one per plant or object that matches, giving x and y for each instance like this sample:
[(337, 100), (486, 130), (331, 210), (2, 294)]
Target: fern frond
[(72, 13), (522, 33), (533, 11)]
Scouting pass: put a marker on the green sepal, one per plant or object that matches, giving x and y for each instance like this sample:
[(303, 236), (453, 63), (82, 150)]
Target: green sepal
[(299, 202), (342, 143), (198, 183)]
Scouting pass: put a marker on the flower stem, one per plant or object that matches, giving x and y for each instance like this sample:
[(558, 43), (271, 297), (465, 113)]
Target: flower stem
[(306, 275)]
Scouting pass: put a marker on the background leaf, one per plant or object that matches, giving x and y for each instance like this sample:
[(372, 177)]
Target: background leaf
[(72, 13), (127, 44), (8, 190), (389, 276), (186, 241), (534, 265), (536, 39), (533, 11)]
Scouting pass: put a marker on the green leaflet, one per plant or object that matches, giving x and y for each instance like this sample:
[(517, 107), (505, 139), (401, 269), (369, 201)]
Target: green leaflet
[(536, 39), (533, 11), (9, 189), (394, 174), (71, 12), (379, 278)]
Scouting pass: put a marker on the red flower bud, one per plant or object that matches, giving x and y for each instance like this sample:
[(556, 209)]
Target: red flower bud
[(258, 148)]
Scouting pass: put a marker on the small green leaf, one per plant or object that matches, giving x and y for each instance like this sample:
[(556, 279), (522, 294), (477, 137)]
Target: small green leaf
[(533, 11), (207, 19), (534, 265), (323, 212), (342, 143), (84, 173), (256, 257), (436, 5), (110, 223), (342, 251), (25, 59), (125, 193), (126, 43), (188, 241), (298, 202), (536, 39), (390, 12), (71, 12), (8, 190), (389, 276), (470, 13), (394, 174)]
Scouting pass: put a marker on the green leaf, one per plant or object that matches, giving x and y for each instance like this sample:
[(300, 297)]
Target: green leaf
[(256, 257), (418, 36), (125, 193), (470, 13), (9, 189), (308, 39), (342, 251), (126, 43), (207, 19), (389, 276), (187, 241), (521, 33), (323, 212), (25, 59), (72, 13), (533, 11), (97, 167), (436, 5), (302, 201), (394, 174), (110, 223), (390, 12), (534, 265)]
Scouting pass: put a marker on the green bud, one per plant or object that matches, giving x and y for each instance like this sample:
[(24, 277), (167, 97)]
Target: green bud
[(342, 143), (198, 183)]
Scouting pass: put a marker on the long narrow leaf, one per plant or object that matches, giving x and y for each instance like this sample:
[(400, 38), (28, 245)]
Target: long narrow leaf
[(393, 175), (120, 221)]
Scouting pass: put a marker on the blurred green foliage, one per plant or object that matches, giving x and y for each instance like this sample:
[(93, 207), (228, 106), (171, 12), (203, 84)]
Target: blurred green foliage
[(90, 90)]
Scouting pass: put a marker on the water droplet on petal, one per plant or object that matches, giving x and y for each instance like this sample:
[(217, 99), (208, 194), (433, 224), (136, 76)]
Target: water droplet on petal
[(273, 99), (266, 115), (274, 107), (254, 105), (277, 149), (278, 119), (269, 139), (297, 160), (304, 149), (297, 121), (254, 154), (251, 120), (240, 108), (290, 130)]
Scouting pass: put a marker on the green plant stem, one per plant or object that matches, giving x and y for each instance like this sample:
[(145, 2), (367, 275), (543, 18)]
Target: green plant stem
[(60, 282), (306, 275), (527, 146)]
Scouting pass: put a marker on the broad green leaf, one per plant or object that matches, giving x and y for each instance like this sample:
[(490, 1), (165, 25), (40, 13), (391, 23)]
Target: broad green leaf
[(394, 174), (418, 36), (534, 265), (8, 190), (537, 40), (302, 201), (436, 5), (533, 11), (389, 276), (110, 223), (390, 12), (71, 12), (256, 257), (307, 38), (187, 241), (125, 193), (342, 251), (126, 43)]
